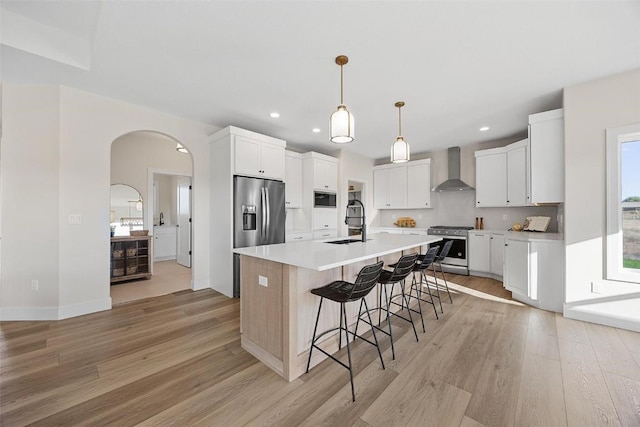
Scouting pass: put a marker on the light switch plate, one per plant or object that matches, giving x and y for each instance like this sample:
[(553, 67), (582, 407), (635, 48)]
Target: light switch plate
[(263, 281)]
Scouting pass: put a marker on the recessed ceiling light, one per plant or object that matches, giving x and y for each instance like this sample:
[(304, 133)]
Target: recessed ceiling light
[(275, 115), (484, 128), (315, 130)]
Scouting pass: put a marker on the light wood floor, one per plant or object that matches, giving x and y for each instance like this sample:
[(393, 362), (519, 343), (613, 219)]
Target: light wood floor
[(176, 360), (168, 277)]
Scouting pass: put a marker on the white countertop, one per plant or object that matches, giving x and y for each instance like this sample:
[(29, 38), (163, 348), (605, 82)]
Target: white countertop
[(531, 236), (319, 255)]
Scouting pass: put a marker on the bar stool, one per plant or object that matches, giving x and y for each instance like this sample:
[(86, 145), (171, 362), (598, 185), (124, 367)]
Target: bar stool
[(401, 270), (421, 266), (441, 256), (343, 292)]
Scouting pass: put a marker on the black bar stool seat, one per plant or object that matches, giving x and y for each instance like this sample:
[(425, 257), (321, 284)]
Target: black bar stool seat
[(343, 292)]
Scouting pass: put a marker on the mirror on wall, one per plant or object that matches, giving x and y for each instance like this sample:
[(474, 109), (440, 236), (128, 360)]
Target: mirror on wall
[(127, 210)]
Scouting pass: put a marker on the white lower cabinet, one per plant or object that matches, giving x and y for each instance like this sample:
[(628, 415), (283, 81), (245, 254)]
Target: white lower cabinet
[(497, 254), (486, 254), (534, 272), (324, 234), (517, 267), (164, 243), (298, 236), (325, 218)]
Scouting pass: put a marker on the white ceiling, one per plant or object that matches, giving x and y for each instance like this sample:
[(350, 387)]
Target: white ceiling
[(458, 65)]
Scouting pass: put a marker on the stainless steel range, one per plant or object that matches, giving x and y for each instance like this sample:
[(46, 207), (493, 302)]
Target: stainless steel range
[(456, 261)]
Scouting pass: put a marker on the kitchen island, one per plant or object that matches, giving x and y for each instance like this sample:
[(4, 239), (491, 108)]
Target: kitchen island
[(277, 311)]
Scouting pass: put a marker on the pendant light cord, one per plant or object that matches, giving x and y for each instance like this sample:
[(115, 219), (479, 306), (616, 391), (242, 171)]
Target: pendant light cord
[(399, 121), (341, 85)]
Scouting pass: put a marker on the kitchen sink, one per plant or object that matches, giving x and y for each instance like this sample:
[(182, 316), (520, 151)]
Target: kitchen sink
[(345, 241)]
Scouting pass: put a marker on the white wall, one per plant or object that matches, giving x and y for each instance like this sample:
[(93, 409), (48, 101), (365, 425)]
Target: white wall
[(30, 204), (590, 108), (76, 181)]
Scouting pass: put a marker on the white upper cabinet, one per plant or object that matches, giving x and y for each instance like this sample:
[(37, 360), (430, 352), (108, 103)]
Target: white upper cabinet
[(325, 175), (320, 172), (419, 184), (258, 158), (293, 180), (501, 176), (546, 138), (407, 185), (390, 187), (517, 190), (491, 178)]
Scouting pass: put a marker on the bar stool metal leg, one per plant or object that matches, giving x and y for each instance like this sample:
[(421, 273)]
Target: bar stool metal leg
[(388, 301), (315, 330), (404, 298), (437, 287), (413, 283), (426, 281), (343, 315)]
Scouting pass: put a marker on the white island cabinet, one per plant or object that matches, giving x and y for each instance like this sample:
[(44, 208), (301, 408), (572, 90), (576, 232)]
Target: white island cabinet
[(278, 310)]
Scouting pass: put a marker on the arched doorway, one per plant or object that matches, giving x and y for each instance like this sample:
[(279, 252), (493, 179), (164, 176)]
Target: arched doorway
[(150, 162)]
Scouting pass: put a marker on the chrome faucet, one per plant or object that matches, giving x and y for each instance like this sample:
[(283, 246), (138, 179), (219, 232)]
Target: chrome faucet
[(363, 233)]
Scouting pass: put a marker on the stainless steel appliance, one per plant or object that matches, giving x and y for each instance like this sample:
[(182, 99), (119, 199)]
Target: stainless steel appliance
[(258, 217), (456, 261), (322, 199)]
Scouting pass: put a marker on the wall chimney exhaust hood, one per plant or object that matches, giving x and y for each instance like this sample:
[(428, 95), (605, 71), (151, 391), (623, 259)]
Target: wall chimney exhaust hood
[(453, 183)]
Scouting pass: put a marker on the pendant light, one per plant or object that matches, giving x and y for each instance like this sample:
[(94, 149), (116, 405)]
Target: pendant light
[(342, 119), (181, 149), (400, 148)]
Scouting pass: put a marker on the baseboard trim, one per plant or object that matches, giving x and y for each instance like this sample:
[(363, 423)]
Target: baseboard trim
[(588, 315), (74, 310), (198, 285), (10, 314)]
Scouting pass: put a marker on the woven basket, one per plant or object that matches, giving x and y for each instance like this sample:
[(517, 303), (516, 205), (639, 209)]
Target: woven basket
[(139, 233)]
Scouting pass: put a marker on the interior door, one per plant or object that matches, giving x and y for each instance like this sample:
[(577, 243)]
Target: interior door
[(184, 221)]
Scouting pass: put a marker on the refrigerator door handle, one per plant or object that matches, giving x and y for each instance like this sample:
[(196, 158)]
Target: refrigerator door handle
[(264, 214), (266, 190)]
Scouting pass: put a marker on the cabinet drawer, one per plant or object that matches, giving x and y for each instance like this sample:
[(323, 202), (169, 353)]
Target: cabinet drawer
[(324, 234)]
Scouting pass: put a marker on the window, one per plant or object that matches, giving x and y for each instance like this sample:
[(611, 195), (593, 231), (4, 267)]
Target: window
[(623, 204)]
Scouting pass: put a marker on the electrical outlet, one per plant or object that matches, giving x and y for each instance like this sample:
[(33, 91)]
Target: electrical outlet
[(263, 281), (419, 216), (393, 216), (75, 219), (595, 288), (34, 285), (505, 217)]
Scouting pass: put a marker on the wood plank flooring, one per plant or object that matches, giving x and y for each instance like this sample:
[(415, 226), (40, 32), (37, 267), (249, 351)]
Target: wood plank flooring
[(176, 360)]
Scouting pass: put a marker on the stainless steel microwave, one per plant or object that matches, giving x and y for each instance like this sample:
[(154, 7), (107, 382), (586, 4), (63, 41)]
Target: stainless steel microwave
[(324, 200)]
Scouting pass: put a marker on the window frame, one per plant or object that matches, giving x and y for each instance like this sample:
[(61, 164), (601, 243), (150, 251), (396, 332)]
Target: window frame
[(615, 137)]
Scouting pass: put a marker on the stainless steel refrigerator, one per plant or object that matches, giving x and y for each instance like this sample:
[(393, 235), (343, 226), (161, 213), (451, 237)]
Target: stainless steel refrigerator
[(258, 217)]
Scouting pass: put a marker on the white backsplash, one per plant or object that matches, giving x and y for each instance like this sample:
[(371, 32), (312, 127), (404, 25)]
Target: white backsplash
[(458, 208)]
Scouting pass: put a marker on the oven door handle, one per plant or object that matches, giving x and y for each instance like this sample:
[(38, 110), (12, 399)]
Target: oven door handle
[(454, 237)]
